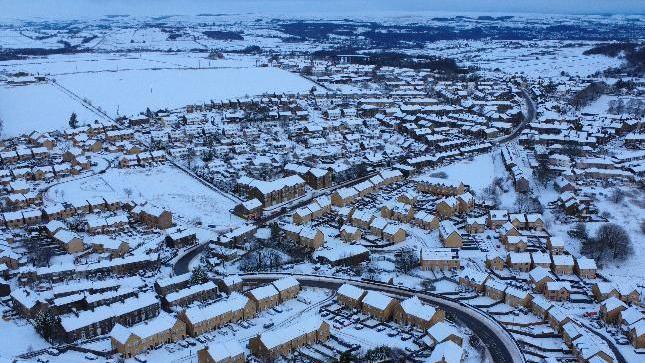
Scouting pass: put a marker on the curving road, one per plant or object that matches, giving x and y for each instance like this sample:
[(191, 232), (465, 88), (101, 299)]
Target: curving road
[(528, 118), (501, 345)]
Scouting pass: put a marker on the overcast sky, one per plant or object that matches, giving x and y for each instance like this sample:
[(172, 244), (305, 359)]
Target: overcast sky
[(92, 8)]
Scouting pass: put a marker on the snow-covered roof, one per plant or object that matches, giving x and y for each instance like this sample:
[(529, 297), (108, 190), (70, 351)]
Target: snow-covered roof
[(272, 339), (448, 352), (377, 300), (413, 306), (350, 291), (285, 283), (263, 292)]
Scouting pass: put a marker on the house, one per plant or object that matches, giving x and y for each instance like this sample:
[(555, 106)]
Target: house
[(446, 352), (473, 279), (272, 192), (495, 289), (264, 297), (318, 178), (230, 284), (628, 293), (540, 306), (273, 344), (69, 240), (111, 246), (586, 267), (350, 296), (508, 229), (90, 323), (154, 217), (444, 332), (494, 261), (556, 317), (439, 186), (557, 290), (129, 342), (27, 303), (520, 261), (439, 258), (447, 207), (610, 310), (631, 315), (184, 297), (516, 243), (497, 218), (226, 352), (540, 259), (250, 209), (562, 264), (54, 226), (394, 233), (589, 348), (518, 220), (179, 237), (288, 288), (302, 215), (202, 319), (466, 202), (637, 334), (170, 284), (603, 290), (539, 277), (425, 220), (516, 297), (555, 245), (449, 235), (350, 233), (311, 238), (476, 224), (570, 332), (344, 196), (378, 305), (412, 311), (377, 226)]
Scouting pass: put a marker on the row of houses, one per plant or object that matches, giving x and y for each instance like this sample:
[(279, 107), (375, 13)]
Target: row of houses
[(273, 192), (347, 195), (115, 267), (34, 216), (142, 159), (407, 312)]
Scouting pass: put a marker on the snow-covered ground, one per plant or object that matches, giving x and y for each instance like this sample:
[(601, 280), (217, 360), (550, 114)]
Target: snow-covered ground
[(128, 85), (164, 186), (131, 91), (40, 107)]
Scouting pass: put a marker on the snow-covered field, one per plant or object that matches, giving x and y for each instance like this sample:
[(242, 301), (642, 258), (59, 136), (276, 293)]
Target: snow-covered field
[(17, 337), (165, 186), (128, 85), (40, 107), (130, 92)]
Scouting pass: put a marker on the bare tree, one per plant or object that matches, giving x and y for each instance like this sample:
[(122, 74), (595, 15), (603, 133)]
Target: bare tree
[(610, 243)]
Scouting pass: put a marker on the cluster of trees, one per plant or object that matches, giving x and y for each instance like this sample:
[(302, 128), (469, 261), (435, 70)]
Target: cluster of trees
[(610, 243), (406, 259), (262, 260), (633, 106), (525, 203), (199, 276), (378, 354), (588, 94), (633, 53), (494, 190), (45, 323)]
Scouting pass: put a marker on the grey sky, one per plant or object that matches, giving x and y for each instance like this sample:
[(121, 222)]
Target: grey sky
[(85, 8)]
